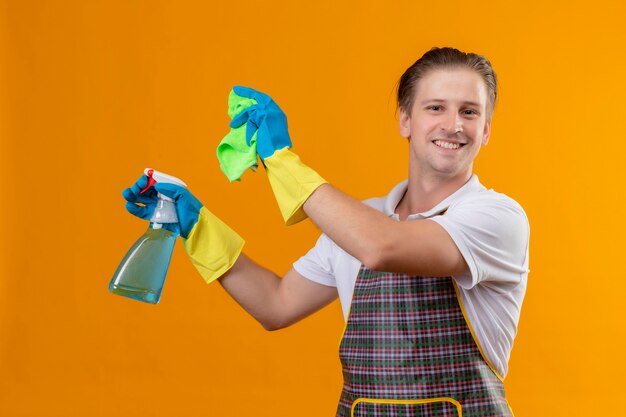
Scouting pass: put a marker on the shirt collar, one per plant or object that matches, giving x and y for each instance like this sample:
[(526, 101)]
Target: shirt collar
[(396, 194)]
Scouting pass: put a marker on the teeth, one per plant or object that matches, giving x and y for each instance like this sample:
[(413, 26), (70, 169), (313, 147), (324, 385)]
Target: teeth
[(447, 145)]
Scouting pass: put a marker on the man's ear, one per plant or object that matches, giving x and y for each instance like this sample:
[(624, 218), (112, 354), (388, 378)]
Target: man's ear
[(405, 124), (486, 132)]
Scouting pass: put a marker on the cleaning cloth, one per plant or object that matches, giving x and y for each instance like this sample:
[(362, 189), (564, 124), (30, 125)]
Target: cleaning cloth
[(233, 152)]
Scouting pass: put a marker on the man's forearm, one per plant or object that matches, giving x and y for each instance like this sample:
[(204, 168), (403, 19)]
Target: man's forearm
[(255, 289), (274, 302), (355, 227), (421, 247)]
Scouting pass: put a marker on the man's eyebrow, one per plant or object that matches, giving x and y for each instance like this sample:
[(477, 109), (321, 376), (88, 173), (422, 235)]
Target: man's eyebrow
[(440, 100)]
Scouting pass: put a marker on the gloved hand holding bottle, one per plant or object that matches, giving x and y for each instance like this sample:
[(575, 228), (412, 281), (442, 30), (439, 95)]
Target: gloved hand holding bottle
[(212, 246), (291, 180)]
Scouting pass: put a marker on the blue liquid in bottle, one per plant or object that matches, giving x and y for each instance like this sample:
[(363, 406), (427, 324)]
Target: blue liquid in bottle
[(141, 274)]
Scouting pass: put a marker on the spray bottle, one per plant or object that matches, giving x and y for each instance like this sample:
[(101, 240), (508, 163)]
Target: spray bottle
[(141, 274)]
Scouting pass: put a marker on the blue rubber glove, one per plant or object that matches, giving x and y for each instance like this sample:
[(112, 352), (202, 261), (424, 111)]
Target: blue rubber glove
[(187, 206), (264, 118)]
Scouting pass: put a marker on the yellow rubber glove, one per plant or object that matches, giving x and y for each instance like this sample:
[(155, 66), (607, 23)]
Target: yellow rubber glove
[(212, 246), (292, 183)]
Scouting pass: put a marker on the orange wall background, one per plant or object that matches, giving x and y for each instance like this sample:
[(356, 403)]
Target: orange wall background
[(92, 92)]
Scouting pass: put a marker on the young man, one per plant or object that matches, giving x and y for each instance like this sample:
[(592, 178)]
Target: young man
[(431, 277)]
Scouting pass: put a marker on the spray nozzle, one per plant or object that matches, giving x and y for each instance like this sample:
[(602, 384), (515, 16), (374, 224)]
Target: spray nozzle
[(155, 176)]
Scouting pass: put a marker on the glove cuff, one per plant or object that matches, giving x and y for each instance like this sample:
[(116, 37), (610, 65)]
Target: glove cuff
[(212, 246), (292, 183)]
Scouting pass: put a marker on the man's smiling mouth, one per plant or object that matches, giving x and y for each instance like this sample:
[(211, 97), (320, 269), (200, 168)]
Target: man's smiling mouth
[(448, 145)]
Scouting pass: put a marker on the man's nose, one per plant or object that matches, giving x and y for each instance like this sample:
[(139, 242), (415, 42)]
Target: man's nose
[(453, 124)]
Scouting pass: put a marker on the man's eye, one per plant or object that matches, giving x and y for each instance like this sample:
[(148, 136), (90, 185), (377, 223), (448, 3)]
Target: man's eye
[(469, 112), (434, 108)]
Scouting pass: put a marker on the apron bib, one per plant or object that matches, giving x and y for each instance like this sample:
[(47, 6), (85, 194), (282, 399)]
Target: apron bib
[(408, 351)]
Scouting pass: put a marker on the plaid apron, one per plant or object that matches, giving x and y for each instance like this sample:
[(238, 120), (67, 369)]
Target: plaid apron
[(408, 351)]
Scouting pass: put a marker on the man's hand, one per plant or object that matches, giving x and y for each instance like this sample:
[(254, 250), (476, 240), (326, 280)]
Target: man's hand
[(291, 180), (265, 119), (143, 205)]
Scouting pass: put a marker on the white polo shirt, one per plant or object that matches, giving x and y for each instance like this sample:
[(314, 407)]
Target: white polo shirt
[(492, 233)]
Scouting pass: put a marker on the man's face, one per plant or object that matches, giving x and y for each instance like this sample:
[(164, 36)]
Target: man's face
[(448, 122)]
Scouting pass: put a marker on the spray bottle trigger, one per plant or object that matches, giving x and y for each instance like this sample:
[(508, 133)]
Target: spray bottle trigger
[(151, 181)]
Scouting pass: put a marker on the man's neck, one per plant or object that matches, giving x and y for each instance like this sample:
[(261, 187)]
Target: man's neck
[(425, 192)]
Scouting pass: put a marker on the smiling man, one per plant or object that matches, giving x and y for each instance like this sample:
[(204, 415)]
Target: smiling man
[(431, 277)]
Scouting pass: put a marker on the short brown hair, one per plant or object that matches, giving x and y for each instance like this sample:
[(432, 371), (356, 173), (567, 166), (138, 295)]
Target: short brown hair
[(445, 58)]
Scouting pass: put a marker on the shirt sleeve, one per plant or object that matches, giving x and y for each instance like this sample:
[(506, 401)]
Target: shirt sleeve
[(316, 265), (491, 231)]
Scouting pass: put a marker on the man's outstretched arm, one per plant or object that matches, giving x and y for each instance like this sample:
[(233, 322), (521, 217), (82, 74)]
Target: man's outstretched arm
[(215, 250), (420, 247)]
